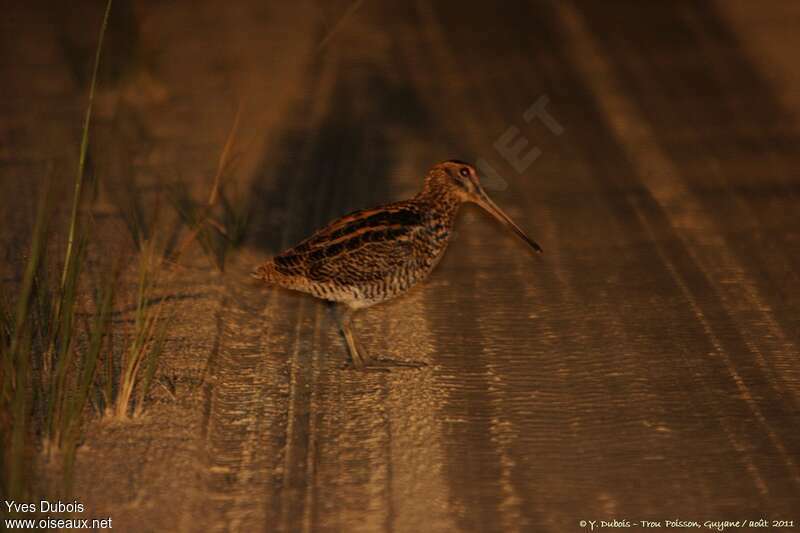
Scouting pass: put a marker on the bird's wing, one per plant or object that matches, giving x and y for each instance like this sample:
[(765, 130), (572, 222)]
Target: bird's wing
[(360, 247)]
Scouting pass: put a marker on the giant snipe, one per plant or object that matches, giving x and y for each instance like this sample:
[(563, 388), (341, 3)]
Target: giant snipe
[(372, 255)]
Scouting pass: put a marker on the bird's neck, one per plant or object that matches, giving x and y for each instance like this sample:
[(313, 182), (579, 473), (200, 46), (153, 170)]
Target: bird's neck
[(440, 200)]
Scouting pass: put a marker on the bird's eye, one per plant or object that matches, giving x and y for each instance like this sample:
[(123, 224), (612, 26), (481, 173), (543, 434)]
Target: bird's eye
[(464, 172)]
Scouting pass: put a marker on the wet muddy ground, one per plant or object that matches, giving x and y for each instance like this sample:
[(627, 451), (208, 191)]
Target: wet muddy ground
[(645, 367)]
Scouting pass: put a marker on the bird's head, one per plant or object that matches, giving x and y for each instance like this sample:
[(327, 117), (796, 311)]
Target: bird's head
[(461, 181)]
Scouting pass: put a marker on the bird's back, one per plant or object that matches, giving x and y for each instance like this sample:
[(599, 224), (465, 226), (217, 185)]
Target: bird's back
[(366, 256)]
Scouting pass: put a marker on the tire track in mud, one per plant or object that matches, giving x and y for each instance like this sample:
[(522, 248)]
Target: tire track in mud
[(737, 218), (327, 443), (694, 268), (552, 382), (246, 396), (483, 494), (253, 428), (606, 324)]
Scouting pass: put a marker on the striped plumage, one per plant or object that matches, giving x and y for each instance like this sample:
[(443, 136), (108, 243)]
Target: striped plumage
[(367, 256), (371, 255)]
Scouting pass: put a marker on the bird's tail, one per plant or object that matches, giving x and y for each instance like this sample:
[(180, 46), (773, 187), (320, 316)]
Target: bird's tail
[(265, 272)]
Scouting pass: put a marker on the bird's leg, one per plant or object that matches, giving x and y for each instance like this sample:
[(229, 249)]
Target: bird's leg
[(358, 355), (345, 314)]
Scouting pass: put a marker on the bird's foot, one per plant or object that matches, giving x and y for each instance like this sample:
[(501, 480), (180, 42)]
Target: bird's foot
[(383, 365), (363, 368)]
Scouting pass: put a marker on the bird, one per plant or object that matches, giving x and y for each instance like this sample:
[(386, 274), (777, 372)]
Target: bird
[(372, 255)]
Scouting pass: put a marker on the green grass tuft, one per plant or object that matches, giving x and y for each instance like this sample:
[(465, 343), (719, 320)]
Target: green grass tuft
[(15, 369), (125, 394), (49, 357)]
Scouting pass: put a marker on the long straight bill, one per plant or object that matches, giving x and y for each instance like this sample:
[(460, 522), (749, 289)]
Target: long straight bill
[(485, 202)]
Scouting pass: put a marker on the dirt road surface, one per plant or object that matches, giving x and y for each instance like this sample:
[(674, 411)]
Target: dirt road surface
[(645, 367)]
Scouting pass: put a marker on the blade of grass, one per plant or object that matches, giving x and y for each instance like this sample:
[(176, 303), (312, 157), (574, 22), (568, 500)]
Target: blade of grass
[(199, 218), (15, 395), (65, 350), (146, 343), (98, 333), (61, 345), (6, 319), (235, 220), (84, 143), (151, 364)]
